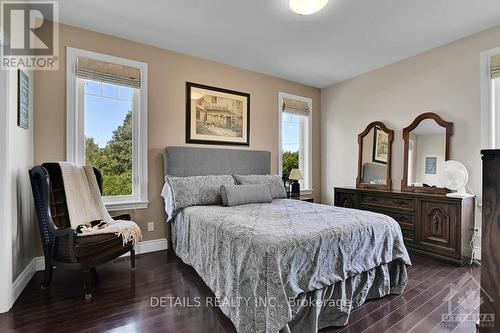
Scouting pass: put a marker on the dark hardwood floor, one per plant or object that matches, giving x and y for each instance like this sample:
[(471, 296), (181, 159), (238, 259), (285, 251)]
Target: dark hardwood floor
[(123, 301)]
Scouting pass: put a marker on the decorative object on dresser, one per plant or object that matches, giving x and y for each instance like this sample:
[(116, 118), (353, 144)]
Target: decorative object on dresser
[(295, 175), (454, 177), (217, 116), (374, 157), (490, 250), (432, 225), (426, 148)]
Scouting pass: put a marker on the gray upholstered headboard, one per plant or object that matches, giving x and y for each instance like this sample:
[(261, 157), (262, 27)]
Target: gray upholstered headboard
[(190, 161)]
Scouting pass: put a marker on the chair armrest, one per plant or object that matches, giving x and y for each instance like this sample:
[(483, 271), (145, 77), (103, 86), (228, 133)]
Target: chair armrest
[(69, 234), (64, 232), (125, 217)]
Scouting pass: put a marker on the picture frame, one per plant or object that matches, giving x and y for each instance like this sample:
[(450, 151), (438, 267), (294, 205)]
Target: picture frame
[(430, 165), (23, 100), (217, 116), (380, 146)]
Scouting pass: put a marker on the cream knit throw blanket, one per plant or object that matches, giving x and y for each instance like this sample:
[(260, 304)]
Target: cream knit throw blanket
[(85, 204)]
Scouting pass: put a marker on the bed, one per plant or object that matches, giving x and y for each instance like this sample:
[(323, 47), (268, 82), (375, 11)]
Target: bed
[(287, 265)]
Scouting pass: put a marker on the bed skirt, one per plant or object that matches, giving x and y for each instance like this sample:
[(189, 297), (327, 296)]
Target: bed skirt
[(332, 305)]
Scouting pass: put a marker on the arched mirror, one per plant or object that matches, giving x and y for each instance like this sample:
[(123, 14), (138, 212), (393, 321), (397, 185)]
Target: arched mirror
[(374, 157), (426, 147)]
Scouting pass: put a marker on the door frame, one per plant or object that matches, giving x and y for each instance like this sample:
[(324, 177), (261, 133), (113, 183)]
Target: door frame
[(6, 292)]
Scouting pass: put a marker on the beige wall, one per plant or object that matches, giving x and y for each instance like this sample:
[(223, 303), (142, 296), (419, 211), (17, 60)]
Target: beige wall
[(445, 80), (20, 160), (168, 73)]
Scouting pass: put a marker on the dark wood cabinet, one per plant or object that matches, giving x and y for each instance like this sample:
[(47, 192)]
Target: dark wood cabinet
[(433, 225), (490, 247)]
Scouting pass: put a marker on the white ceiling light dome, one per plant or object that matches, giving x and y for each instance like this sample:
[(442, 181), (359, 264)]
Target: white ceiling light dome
[(307, 7)]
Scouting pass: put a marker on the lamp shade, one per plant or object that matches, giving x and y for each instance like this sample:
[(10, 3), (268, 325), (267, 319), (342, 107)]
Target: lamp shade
[(295, 174)]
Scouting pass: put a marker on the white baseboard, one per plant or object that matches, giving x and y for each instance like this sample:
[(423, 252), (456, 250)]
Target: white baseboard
[(141, 247), (23, 279), (150, 246), (39, 263)]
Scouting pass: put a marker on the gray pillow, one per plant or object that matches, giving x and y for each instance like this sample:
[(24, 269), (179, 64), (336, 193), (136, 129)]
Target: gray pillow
[(234, 195), (197, 190), (274, 182)]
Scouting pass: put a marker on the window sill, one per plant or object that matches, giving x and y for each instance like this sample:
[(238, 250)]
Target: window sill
[(125, 205), (306, 192)]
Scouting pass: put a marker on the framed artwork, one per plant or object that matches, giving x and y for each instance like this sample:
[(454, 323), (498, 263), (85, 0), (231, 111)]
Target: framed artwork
[(217, 116), (380, 146), (430, 165), (23, 100)]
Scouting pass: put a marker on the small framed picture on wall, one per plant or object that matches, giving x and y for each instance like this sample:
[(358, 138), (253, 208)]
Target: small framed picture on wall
[(23, 100)]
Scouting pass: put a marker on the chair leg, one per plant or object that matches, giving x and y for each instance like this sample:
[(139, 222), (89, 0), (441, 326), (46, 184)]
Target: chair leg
[(132, 259), (87, 283), (47, 275), (95, 276)]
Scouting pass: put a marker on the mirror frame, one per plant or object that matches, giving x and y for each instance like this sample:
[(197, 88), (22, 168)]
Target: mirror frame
[(406, 138), (390, 133)]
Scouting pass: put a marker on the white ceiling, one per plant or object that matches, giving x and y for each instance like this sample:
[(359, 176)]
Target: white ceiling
[(347, 38)]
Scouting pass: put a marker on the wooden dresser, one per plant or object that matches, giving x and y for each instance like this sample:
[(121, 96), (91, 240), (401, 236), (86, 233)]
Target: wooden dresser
[(433, 225), (490, 239)]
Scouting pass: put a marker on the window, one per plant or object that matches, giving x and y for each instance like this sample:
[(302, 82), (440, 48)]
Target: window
[(295, 137), (490, 98), (107, 124)]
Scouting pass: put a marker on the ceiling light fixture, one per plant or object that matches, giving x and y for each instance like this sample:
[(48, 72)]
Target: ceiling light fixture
[(307, 7)]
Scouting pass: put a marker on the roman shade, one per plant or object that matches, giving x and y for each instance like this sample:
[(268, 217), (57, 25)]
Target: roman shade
[(495, 67), (295, 106), (102, 71)]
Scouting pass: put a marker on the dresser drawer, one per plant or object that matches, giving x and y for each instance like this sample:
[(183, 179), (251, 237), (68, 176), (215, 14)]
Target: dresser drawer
[(386, 201), (405, 219), (408, 234)]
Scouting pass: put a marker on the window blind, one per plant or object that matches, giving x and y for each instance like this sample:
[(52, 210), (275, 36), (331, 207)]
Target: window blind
[(97, 70), (297, 107), (495, 67)]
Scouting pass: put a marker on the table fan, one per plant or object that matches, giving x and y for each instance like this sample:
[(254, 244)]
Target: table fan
[(454, 176)]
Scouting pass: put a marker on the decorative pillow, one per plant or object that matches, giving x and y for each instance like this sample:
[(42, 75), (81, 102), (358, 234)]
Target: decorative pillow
[(196, 190), (275, 183), (234, 195)]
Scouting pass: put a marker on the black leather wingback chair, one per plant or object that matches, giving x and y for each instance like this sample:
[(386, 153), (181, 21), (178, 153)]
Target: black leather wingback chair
[(61, 246)]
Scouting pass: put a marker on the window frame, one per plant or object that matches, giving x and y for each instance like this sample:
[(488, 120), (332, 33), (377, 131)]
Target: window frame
[(490, 113), (75, 127), (305, 158)]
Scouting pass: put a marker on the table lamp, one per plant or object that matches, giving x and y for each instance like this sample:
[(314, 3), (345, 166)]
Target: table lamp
[(295, 175)]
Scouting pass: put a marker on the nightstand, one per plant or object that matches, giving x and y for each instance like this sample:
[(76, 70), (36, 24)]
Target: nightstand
[(305, 198)]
